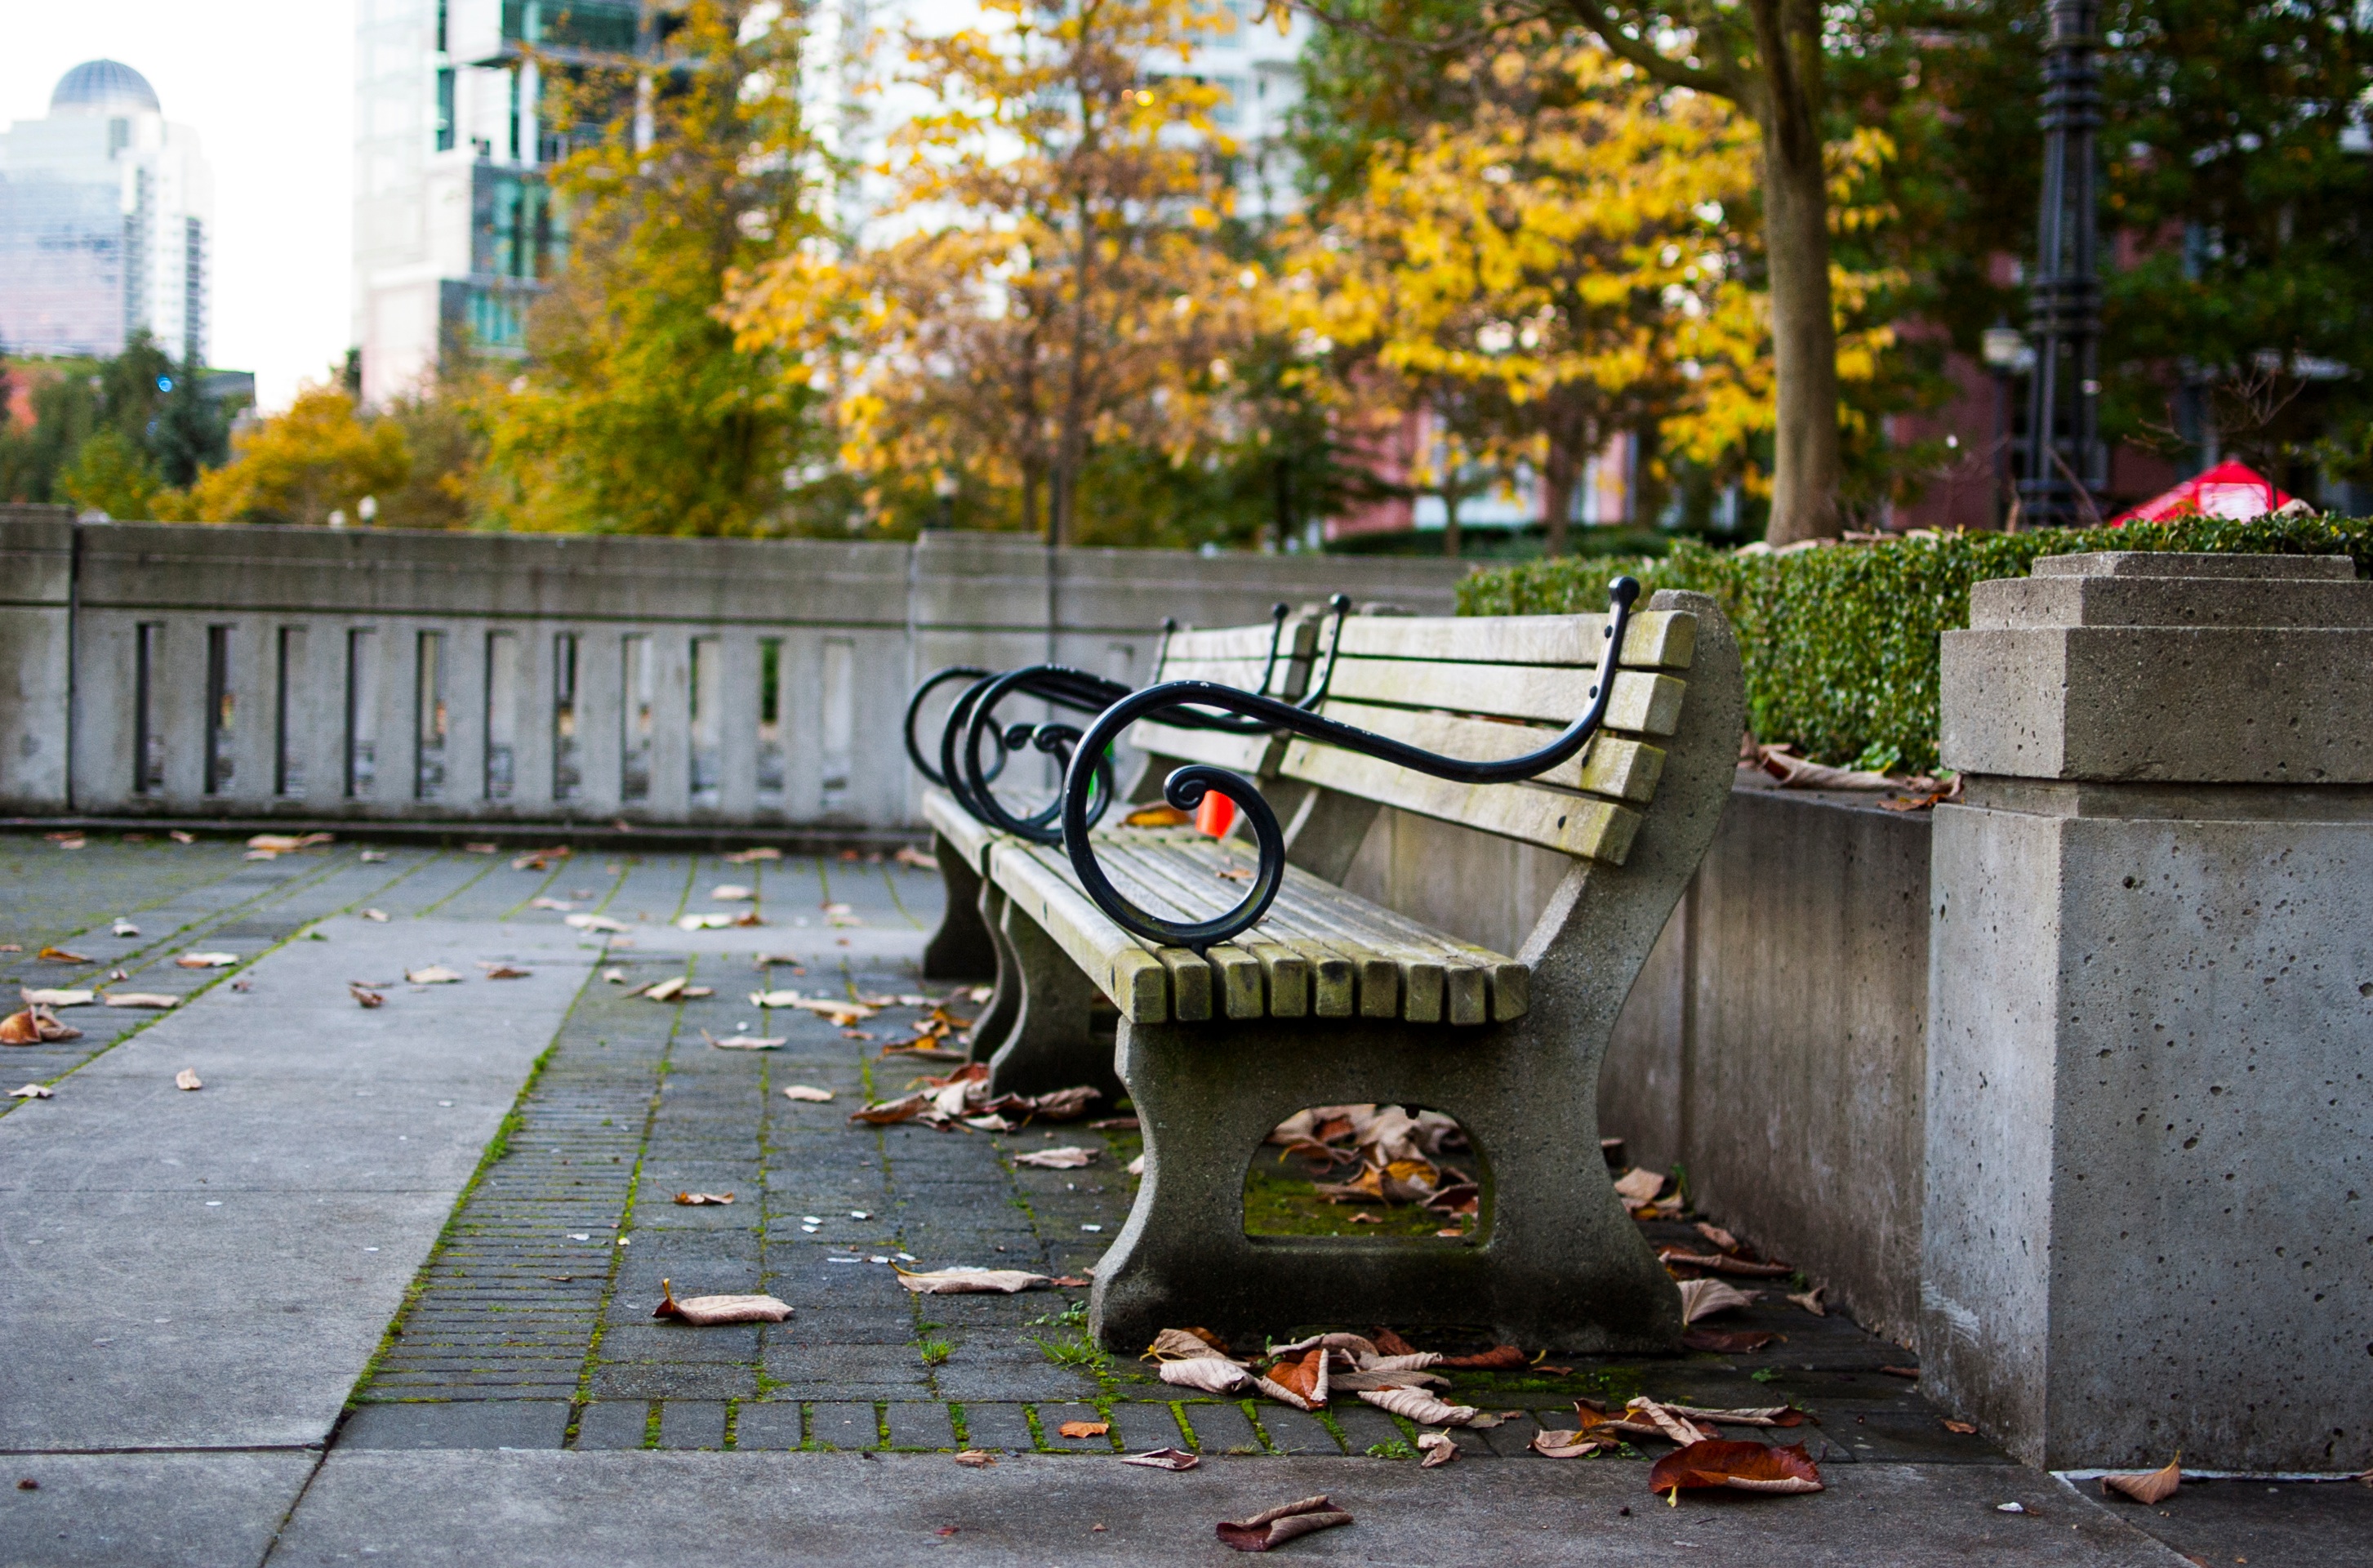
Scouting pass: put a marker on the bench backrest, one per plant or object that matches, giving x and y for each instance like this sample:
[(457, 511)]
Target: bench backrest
[(1233, 656)]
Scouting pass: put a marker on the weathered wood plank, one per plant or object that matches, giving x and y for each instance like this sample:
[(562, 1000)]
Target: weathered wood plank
[(971, 838), (1657, 639), (1136, 980), (1190, 984), (1613, 766), (1583, 825), (1255, 756), (1644, 703)]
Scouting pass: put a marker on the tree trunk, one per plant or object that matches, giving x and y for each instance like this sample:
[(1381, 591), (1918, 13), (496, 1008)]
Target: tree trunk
[(1559, 474), (1805, 462), (1450, 523)]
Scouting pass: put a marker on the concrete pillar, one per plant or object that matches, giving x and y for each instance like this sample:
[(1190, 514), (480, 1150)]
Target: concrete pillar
[(2149, 1207)]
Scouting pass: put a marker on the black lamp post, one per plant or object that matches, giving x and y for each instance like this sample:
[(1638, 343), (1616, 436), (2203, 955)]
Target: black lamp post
[(2007, 356), (2065, 462)]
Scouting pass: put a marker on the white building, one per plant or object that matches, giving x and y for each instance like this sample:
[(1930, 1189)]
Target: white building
[(454, 227), (105, 217)]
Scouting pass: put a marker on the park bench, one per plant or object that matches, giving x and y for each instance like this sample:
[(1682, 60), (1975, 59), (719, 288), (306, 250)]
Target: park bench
[(1249, 984)]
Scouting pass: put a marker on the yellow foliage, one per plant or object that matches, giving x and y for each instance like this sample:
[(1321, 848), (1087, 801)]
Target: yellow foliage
[(299, 466)]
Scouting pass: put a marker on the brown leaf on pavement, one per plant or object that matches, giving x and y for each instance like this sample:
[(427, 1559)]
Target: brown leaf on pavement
[(1667, 1424), (504, 971), (753, 855), (33, 1026), (1274, 1526), (1962, 1428), (434, 974), (1716, 1234), (288, 844), (1438, 1447), (592, 923), (970, 1281), (365, 995), (188, 1078), (33, 1092), (1700, 1297), (206, 960), (1424, 1409), (1163, 1459), (1085, 1428), (52, 996), (1723, 1263), (703, 1310), (178, 836), (123, 927), (1728, 1341), (60, 955), (1569, 1444), (1761, 1415), (140, 998), (541, 859), (1391, 1344), (907, 855), (807, 1092), (1303, 1377), (1745, 1466), (2149, 1486), (1912, 1372), (732, 892), (699, 1200), (1811, 1301), (1212, 1375), (1062, 1105), (1638, 1185), (541, 902), (1184, 1344), (1498, 1358), (745, 1042), (882, 1112), (1064, 1159), (976, 1458)]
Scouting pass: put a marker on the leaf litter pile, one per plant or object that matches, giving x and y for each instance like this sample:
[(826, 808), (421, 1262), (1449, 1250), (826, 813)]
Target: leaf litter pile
[(960, 1099), (1391, 1165)]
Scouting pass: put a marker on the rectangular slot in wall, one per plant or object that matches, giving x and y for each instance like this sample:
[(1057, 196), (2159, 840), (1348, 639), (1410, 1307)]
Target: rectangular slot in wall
[(362, 714), (222, 713), (502, 712), (770, 720), (638, 658), (839, 719), (288, 739), (428, 701), (147, 735), (708, 720), (568, 777)]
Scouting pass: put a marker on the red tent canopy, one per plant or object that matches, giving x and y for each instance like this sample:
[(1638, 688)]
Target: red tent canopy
[(2229, 489)]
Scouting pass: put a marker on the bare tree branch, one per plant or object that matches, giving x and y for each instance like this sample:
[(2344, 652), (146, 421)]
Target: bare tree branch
[(1722, 81)]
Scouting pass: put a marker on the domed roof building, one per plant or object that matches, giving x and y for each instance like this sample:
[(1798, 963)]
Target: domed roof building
[(106, 219), (102, 87)]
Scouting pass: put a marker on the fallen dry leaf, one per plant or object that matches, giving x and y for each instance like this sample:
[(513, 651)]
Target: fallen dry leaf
[(541, 902), (123, 927), (1064, 1159), (188, 1078), (365, 995), (1759, 1415), (1728, 1341), (1439, 1448), (1163, 1459), (140, 998), (434, 974), (1716, 1234), (1157, 816), (1745, 1467), (701, 1199), (33, 1026), (1970, 1429), (753, 855), (1424, 1409), (1137, 1167), (907, 855), (1700, 1297), (1569, 1445), (1184, 1344), (372, 857), (33, 1092), (1274, 1526), (745, 1042), (1668, 1425), (732, 892), (178, 837), (1212, 1373), (1085, 1428), (505, 971), (60, 955), (1811, 1301), (977, 1459), (664, 991), (1912, 1372), (807, 1092), (287, 844), (206, 960), (481, 848), (970, 1281), (1640, 1185), (1721, 1263), (1498, 1358), (703, 922), (703, 1310), (592, 923), (2150, 1486), (377, 915), (1301, 1382), (52, 996)]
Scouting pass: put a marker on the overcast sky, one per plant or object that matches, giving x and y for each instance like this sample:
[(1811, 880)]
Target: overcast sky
[(268, 85)]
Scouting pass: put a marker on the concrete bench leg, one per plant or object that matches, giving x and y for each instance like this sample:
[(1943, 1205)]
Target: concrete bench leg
[(1052, 1045), (960, 949), (995, 1021), (1559, 1265)]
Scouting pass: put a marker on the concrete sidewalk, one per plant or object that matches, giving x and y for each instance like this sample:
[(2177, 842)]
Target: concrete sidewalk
[(299, 1318)]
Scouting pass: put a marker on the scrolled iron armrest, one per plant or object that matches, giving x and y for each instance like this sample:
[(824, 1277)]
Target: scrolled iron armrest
[(1186, 787), (967, 773)]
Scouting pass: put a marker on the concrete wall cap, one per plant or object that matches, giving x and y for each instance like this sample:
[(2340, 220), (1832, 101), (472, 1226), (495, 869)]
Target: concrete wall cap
[(2176, 562)]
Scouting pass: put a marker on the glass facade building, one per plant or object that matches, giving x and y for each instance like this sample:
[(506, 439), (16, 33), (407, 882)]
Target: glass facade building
[(106, 213)]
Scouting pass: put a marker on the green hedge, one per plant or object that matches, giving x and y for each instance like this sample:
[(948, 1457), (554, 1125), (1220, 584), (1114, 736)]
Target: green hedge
[(1840, 642)]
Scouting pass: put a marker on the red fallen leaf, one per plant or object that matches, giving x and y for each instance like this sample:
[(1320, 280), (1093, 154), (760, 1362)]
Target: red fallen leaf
[(1071, 1282), (1744, 1466), (1391, 1344), (1498, 1358), (1728, 1341), (1085, 1428), (1969, 1429), (1273, 1528), (1301, 1374)]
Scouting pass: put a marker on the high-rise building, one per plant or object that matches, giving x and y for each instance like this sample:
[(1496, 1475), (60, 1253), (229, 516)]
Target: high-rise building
[(455, 229), (106, 210)]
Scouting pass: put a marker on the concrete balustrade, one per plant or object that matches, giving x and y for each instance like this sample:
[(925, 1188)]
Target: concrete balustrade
[(159, 670)]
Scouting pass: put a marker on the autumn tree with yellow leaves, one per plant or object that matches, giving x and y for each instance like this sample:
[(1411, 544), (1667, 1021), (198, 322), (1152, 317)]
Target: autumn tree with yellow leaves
[(1043, 278)]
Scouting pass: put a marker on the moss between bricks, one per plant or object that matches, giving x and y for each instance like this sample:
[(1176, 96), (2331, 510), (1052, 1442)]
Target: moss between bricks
[(1841, 644)]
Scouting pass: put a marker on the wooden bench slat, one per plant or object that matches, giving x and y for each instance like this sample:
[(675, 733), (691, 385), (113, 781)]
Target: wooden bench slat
[(1613, 766), (1644, 703), (1138, 982), (1657, 639), (1257, 977), (952, 823), (1255, 756), (1583, 825)]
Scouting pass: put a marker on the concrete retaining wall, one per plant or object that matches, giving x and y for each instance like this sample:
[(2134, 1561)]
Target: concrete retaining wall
[(362, 675), (1774, 1048)]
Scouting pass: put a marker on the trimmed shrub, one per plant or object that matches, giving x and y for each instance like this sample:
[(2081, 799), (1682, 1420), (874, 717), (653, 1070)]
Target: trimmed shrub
[(1840, 642)]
